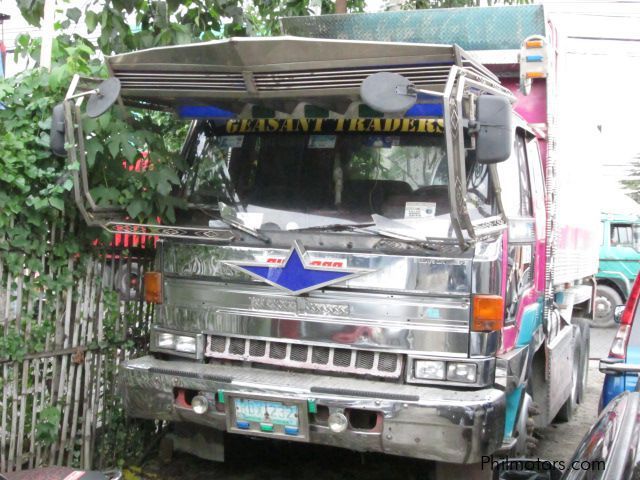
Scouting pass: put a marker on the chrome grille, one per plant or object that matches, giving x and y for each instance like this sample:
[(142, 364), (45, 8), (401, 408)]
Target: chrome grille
[(206, 81), (234, 82), (296, 355), (346, 78)]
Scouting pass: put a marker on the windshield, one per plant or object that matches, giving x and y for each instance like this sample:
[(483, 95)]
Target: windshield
[(289, 181)]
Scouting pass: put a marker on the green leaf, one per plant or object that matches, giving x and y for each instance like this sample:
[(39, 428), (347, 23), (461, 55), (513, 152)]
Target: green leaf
[(136, 207), (57, 203), (74, 14), (91, 21), (114, 145), (94, 146), (129, 151)]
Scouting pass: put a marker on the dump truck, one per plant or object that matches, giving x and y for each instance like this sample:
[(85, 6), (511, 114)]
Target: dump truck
[(387, 247)]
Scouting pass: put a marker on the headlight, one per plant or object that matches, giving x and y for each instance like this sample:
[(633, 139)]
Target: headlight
[(185, 344), (429, 369), (462, 372), (166, 340), (179, 344)]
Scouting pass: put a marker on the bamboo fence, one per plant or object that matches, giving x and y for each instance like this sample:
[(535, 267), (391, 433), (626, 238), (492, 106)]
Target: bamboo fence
[(74, 372)]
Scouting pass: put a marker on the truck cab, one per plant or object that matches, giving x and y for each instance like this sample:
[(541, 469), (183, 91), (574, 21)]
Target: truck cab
[(375, 253), (619, 264)]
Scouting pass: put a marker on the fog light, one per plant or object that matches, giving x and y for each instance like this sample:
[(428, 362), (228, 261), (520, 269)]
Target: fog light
[(185, 344), (462, 372), (167, 340), (429, 369), (338, 422), (199, 404)]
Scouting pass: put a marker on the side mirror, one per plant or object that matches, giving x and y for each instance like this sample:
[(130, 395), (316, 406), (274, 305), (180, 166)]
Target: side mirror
[(617, 313), (56, 136), (636, 237), (495, 135)]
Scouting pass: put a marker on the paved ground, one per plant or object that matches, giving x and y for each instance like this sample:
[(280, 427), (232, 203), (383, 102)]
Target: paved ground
[(560, 440), (249, 459)]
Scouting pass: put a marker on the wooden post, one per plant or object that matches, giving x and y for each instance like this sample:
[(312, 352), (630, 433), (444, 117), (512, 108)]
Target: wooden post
[(341, 6), (47, 33)]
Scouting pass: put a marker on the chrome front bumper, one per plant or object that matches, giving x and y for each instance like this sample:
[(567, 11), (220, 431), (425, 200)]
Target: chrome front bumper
[(457, 426)]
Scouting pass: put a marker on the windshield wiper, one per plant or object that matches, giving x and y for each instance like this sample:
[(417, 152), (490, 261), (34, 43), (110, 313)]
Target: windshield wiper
[(334, 227), (227, 215), (365, 227)]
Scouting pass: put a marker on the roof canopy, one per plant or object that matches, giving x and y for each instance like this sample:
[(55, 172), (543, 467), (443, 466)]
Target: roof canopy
[(278, 72)]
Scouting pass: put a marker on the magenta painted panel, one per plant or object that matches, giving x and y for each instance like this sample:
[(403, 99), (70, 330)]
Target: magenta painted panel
[(532, 107), (509, 335)]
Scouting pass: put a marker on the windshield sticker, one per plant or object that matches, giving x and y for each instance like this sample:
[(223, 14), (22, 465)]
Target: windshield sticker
[(434, 126), (231, 141), (419, 210), (322, 141), (251, 219)]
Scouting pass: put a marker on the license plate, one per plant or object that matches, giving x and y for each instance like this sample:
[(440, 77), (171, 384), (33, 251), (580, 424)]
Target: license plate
[(268, 417), (265, 412)]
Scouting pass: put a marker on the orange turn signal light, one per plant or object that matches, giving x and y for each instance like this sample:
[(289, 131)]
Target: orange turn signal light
[(488, 313), (153, 287), (535, 74), (534, 44)]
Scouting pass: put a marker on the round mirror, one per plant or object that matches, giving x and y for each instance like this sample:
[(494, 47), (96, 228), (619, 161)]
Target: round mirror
[(388, 92), (106, 95)]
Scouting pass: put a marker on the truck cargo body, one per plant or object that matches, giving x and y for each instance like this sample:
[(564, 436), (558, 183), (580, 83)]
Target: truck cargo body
[(366, 280)]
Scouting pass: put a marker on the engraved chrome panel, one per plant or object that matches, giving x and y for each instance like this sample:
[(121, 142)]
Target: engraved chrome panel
[(389, 273), (400, 323), (307, 357)]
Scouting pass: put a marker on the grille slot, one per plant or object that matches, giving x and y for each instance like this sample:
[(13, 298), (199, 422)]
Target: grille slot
[(311, 357), (278, 351), (387, 362), (320, 355), (299, 353), (218, 344), (341, 357), (365, 360), (257, 348), (237, 346)]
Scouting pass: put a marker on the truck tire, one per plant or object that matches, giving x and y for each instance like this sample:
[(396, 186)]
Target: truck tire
[(606, 301), (566, 411), (585, 347)]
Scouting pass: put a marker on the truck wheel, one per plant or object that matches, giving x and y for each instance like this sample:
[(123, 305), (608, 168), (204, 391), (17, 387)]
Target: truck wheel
[(524, 428), (585, 342), (606, 301), (566, 411)]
